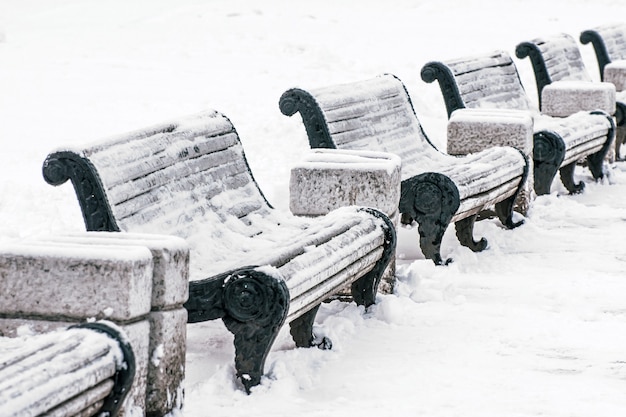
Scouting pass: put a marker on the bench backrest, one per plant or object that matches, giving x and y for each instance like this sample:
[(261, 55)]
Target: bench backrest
[(609, 43), (162, 178), (374, 114), (481, 81), (554, 58)]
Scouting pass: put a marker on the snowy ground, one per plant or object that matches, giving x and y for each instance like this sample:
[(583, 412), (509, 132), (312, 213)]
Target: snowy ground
[(533, 326)]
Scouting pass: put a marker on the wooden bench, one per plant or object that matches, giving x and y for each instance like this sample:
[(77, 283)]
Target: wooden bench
[(492, 81), (436, 188), (85, 370), (252, 266), (609, 44), (558, 66)]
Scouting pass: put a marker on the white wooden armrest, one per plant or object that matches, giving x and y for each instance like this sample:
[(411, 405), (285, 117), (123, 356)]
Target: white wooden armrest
[(473, 130), (564, 98), (615, 73)]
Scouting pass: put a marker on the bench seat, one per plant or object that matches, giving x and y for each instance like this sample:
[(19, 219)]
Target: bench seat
[(492, 81), (437, 188), (251, 265)]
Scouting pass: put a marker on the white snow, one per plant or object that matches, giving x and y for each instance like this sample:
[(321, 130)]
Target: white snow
[(535, 325), (349, 160)]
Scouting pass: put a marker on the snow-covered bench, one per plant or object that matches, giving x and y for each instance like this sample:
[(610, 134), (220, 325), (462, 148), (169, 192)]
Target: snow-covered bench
[(251, 265), (436, 188), (609, 44), (563, 84), (491, 81), (85, 370)]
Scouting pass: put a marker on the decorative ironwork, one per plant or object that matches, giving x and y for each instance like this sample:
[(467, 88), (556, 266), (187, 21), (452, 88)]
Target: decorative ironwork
[(66, 165), (256, 307), (465, 234), (297, 100), (301, 330), (439, 71), (431, 199), (205, 299), (548, 154)]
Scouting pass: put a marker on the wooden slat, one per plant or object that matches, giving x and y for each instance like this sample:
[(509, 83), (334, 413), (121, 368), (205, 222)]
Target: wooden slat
[(562, 58), (333, 284), (355, 110), (87, 403), (229, 158), (478, 202)]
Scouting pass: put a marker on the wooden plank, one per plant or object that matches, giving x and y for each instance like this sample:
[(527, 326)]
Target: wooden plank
[(87, 403)]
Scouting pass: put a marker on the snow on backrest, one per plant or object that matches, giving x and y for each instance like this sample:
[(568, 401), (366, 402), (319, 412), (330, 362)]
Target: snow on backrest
[(163, 178), (489, 81), (562, 58), (376, 115), (614, 37)]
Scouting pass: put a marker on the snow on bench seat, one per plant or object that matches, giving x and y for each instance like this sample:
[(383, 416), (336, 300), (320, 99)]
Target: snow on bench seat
[(492, 81), (251, 265), (436, 189)]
